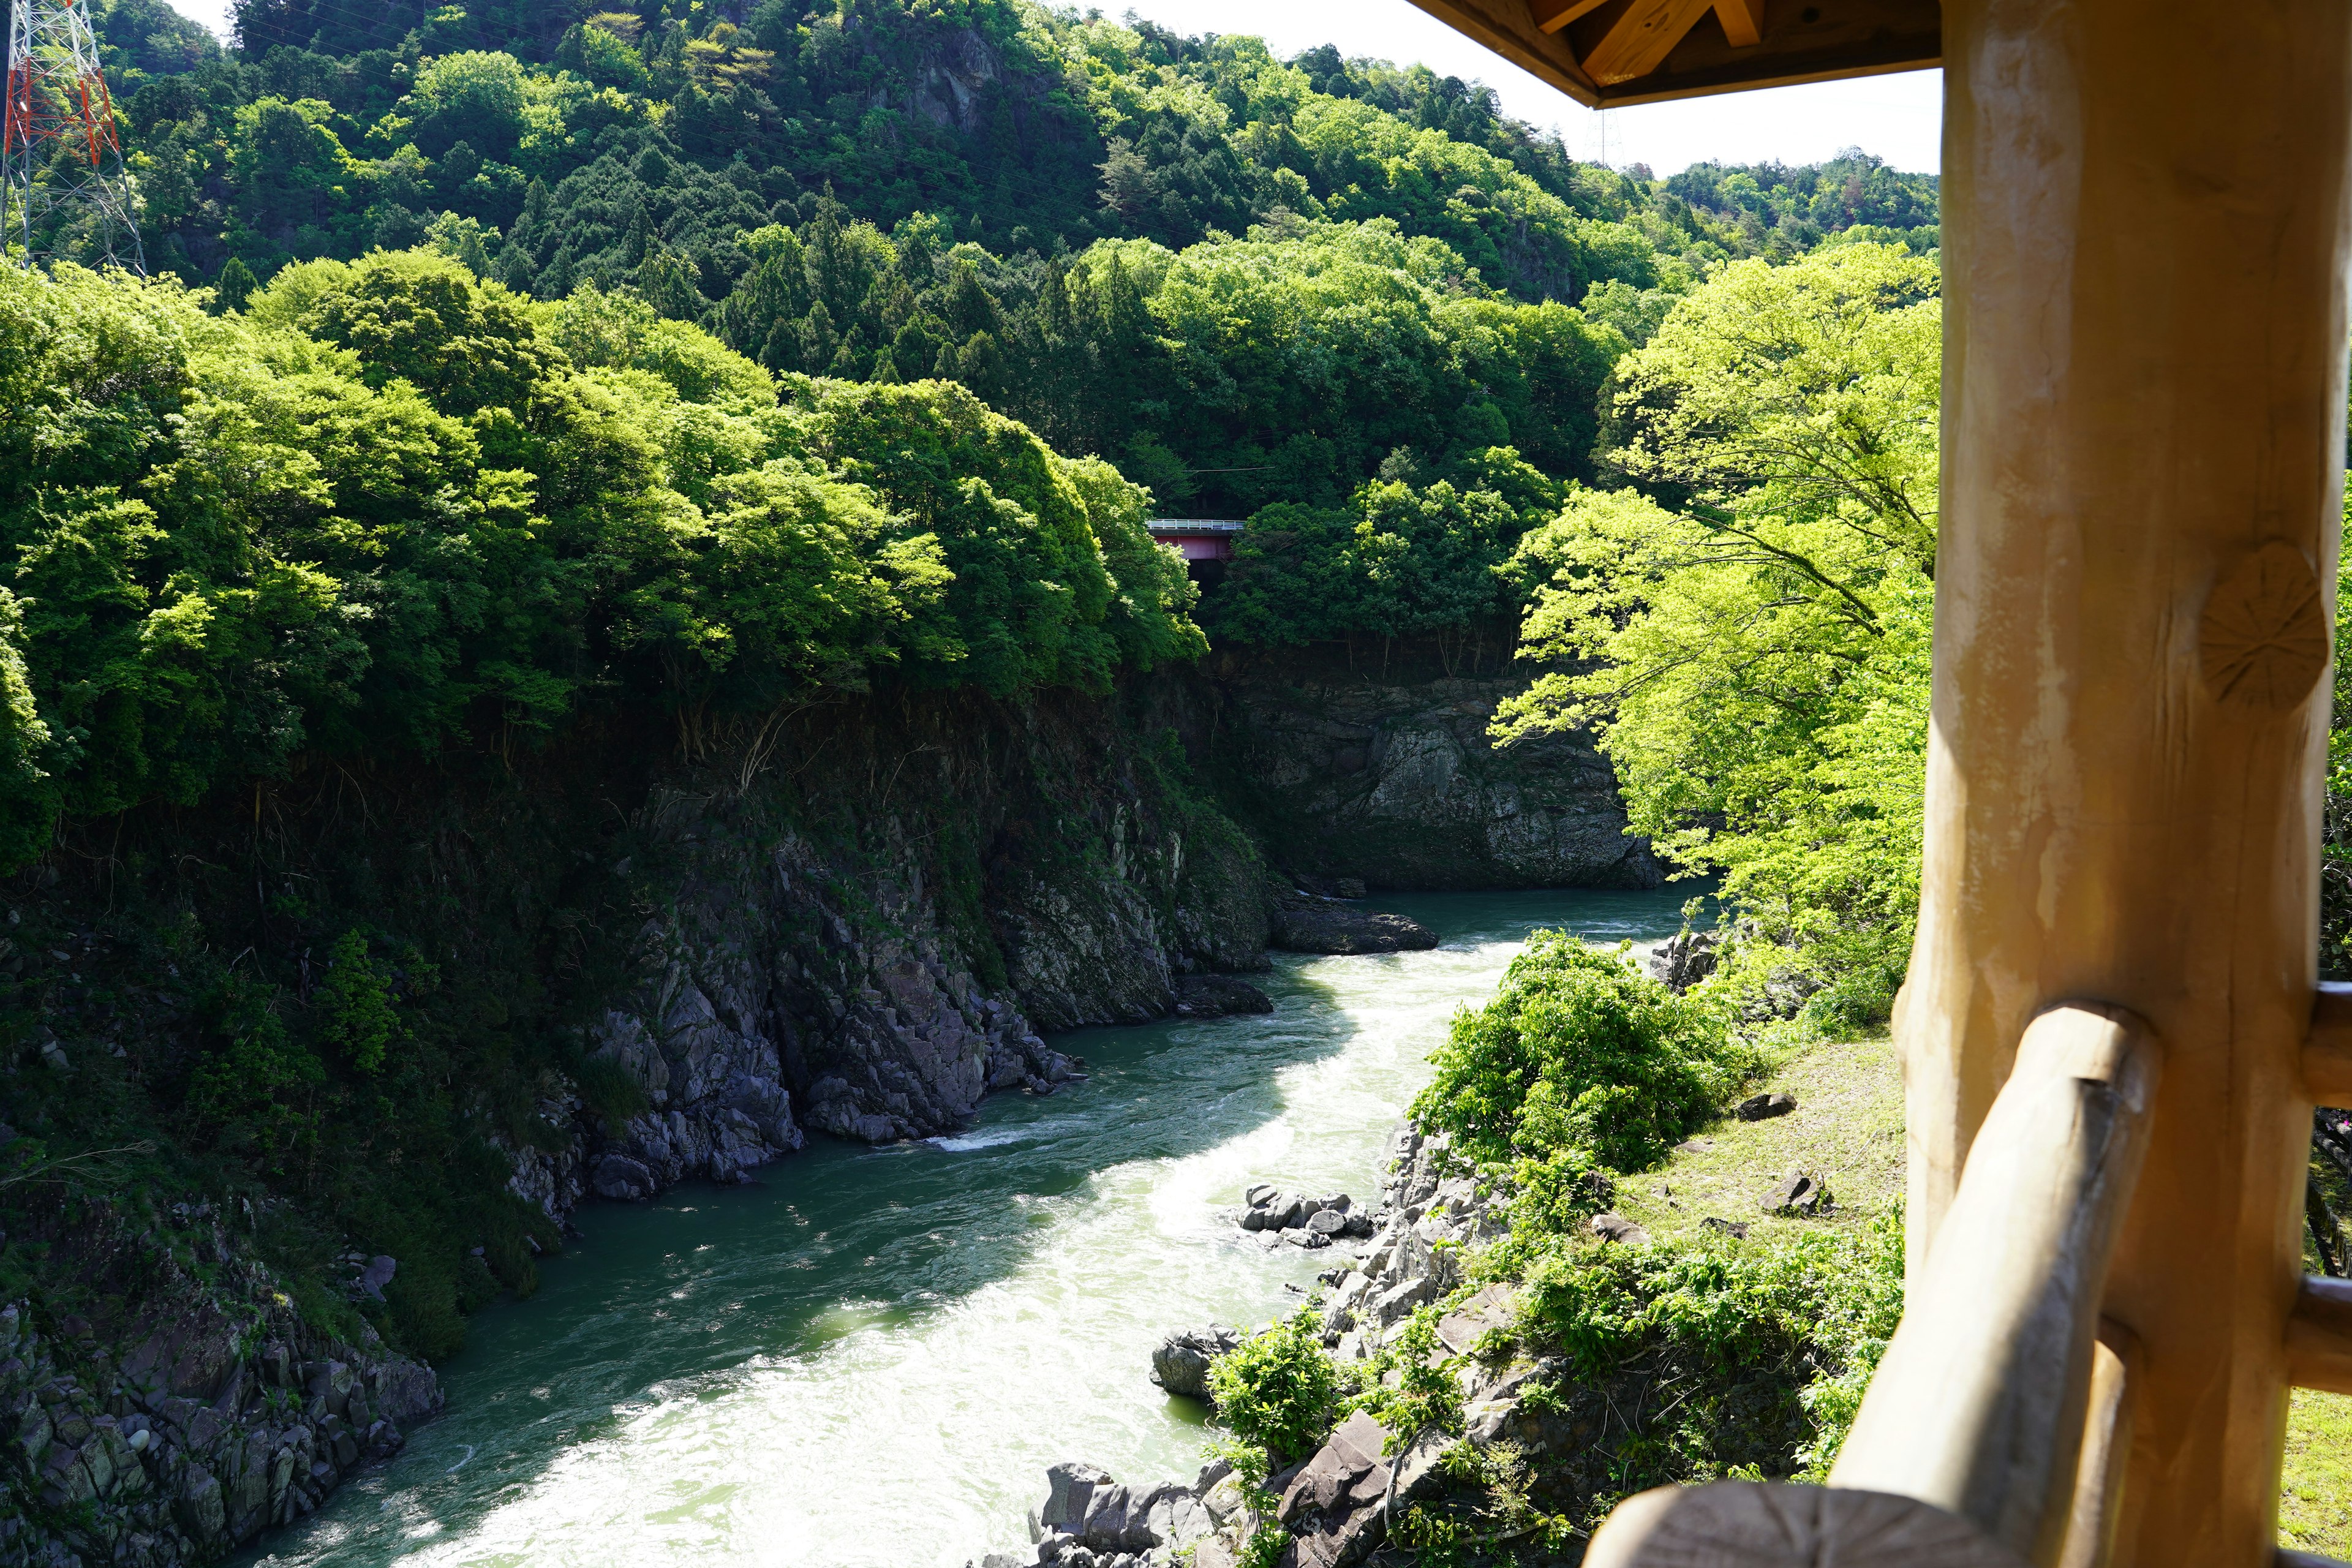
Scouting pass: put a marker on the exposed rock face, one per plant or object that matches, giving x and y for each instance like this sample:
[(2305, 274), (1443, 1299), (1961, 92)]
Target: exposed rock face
[(1380, 767), (787, 988), (1682, 961), (224, 1415)]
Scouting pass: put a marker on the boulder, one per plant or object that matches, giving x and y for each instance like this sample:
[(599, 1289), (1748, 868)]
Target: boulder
[(1070, 1486), (1800, 1193), (1762, 1107), (1736, 1229), (1181, 1365), (1327, 1483), (1328, 1222), (1617, 1227), (1489, 1309), (1682, 961), (619, 1177), (1218, 997), (1305, 924), (1334, 1505)]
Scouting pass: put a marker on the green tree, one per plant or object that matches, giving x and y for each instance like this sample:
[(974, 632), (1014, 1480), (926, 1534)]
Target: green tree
[(1578, 1052), (1756, 637)]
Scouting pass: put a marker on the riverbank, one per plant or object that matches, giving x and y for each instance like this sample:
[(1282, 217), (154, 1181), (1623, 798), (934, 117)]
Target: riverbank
[(869, 1358)]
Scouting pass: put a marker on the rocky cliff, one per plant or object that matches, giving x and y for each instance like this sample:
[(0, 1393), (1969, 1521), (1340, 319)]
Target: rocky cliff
[(659, 953), (819, 954), (1375, 763)]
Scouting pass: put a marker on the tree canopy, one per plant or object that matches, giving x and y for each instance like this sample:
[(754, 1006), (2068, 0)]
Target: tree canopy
[(391, 499)]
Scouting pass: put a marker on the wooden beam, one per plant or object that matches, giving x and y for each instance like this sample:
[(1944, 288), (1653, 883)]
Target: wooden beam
[(1640, 38), (2319, 1336), (1509, 28), (2327, 1050), (2103, 818), (1743, 22), (1803, 40), (1982, 1401), (1551, 15), (2286, 1559)]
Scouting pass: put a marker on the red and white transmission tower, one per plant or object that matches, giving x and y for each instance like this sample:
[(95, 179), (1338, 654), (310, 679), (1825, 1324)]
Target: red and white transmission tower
[(58, 143)]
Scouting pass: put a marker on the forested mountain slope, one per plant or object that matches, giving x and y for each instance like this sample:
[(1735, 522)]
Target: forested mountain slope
[(1243, 279)]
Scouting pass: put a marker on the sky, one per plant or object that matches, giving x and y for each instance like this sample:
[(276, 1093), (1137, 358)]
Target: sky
[(1896, 117)]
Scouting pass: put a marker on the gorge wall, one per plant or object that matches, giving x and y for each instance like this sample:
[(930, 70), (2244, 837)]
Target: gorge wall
[(643, 956), (649, 953), (1374, 763)]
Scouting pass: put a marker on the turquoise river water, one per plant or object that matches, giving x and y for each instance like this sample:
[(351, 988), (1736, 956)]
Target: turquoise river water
[(868, 1358)]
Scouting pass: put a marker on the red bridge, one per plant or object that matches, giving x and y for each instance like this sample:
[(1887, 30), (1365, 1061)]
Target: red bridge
[(1205, 543)]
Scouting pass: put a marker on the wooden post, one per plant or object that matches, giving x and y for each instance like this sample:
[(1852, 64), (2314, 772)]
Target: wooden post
[(2145, 251)]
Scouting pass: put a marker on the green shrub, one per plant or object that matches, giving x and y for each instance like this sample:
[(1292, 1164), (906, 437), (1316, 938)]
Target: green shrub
[(355, 1006), (1425, 1397), (257, 1090), (1279, 1391), (1580, 1051), (1797, 1324)]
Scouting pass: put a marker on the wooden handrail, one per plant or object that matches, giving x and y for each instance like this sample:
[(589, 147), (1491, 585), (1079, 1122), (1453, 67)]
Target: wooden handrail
[(2319, 1336), (1996, 1428), (2327, 1049), (1980, 1406)]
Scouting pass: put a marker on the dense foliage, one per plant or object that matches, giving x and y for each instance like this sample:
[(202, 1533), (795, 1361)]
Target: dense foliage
[(1579, 1071), (1279, 1391), (1784, 211), (389, 502), (1578, 1049), (1244, 281)]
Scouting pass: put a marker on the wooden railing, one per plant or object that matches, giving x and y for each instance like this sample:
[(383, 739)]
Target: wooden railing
[(1996, 1430)]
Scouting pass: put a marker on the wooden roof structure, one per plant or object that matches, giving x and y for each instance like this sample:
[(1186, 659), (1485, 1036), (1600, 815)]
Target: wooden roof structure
[(2113, 1032), (1603, 53)]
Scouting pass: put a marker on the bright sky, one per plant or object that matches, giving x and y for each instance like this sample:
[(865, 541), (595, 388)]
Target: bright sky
[(1898, 117)]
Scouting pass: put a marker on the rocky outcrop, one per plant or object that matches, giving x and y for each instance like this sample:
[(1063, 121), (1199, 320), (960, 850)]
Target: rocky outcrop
[(1377, 765), (1683, 960), (223, 1413), (1303, 1220), (1089, 1521), (1218, 997), (1034, 878), (1305, 924)]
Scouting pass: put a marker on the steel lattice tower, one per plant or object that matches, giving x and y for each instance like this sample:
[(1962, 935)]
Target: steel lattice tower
[(58, 142)]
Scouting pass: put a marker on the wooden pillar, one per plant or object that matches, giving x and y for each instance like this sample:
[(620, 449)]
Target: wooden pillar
[(2145, 252)]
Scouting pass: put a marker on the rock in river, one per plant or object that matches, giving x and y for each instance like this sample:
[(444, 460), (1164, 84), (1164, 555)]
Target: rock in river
[(1181, 1365), (1218, 997), (1303, 923)]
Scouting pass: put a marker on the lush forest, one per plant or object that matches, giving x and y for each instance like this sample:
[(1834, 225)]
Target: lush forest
[(1244, 281), (508, 368)]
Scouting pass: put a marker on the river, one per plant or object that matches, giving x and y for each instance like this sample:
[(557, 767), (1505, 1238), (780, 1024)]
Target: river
[(868, 1358)]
